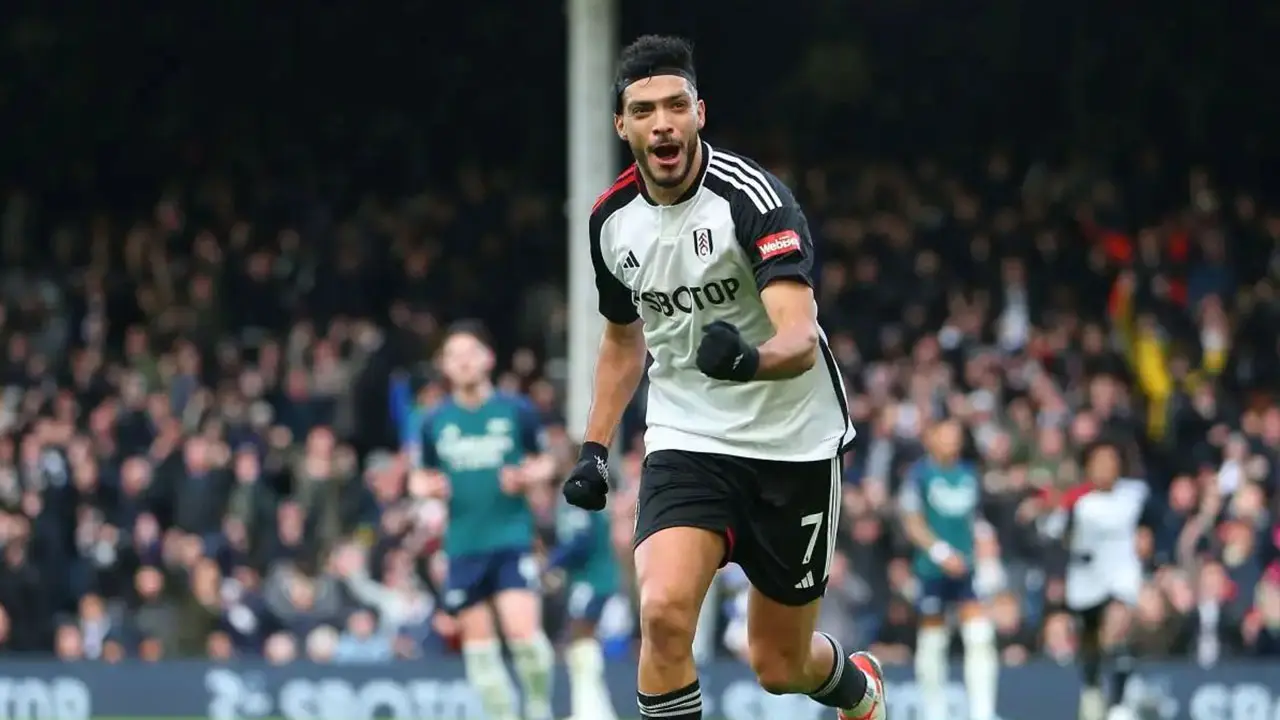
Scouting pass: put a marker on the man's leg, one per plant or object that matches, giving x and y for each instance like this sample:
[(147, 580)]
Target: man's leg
[(789, 657), (468, 588), (933, 641), (685, 517), (981, 660), (1093, 705), (789, 541), (482, 658), (1115, 646), (675, 567), (588, 693), (519, 608)]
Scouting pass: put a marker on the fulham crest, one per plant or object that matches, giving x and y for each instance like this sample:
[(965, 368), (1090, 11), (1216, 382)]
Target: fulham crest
[(702, 243)]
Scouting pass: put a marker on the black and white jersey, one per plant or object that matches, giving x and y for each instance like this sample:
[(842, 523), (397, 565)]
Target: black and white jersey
[(1100, 528), (706, 258)]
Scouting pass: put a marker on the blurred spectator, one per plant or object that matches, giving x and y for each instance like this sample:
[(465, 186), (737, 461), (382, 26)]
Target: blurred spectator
[(217, 344)]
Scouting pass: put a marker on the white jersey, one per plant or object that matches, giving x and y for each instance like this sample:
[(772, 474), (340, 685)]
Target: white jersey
[(705, 258), (1101, 529)]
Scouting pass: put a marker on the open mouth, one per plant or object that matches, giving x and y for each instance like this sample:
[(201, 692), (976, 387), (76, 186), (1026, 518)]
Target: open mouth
[(667, 154)]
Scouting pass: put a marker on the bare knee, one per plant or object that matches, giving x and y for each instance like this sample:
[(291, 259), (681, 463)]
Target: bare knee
[(519, 614), (781, 671), (668, 618)]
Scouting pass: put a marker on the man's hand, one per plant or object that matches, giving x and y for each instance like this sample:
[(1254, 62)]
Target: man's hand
[(954, 566), (430, 484), (724, 355), (588, 482), (512, 479)]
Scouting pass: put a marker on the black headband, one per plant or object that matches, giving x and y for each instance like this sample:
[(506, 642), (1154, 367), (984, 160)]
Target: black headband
[(626, 82)]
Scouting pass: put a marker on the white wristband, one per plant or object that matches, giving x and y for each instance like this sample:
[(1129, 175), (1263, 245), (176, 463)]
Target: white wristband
[(940, 551)]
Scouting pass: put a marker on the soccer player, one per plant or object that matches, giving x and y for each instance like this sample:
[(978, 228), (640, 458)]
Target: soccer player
[(940, 502), (1099, 520), (584, 556), (483, 450), (705, 260)]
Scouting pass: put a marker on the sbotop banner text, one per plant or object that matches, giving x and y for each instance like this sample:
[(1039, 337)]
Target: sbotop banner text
[(436, 690)]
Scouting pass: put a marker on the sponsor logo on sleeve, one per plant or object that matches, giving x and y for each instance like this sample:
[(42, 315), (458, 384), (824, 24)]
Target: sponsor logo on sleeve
[(780, 243)]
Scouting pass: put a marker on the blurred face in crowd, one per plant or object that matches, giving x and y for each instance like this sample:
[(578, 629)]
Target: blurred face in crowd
[(1058, 638), (1182, 494), (67, 643), (361, 624), (466, 361), (660, 120), (246, 466), (219, 646), (205, 582), (91, 608), (948, 440), (1150, 606), (280, 649), (149, 582), (1271, 427), (1103, 468), (1006, 613), (1051, 441), (1213, 583)]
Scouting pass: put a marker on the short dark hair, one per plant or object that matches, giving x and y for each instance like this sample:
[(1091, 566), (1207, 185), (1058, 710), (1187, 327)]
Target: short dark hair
[(653, 52), (472, 327), (1103, 444)]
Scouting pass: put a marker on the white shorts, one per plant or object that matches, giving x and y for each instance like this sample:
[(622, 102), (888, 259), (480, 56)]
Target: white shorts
[(1091, 585)]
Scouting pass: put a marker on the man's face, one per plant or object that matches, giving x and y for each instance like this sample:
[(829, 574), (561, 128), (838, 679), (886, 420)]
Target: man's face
[(465, 360), (660, 120)]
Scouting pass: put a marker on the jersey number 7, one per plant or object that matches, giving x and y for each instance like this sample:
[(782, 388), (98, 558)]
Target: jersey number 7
[(814, 520)]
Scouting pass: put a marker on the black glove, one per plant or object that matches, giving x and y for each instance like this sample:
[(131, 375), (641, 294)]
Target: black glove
[(588, 482), (724, 355)]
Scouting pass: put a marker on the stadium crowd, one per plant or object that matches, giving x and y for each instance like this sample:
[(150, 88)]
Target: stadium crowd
[(200, 408)]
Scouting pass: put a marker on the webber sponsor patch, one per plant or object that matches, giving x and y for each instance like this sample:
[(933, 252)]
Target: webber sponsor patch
[(780, 243)]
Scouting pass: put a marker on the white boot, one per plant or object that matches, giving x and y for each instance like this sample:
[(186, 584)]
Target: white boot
[(1093, 704)]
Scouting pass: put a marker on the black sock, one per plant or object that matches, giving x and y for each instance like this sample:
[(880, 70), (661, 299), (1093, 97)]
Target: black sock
[(682, 704), (846, 686), (1091, 661), (1121, 668), (1091, 664)]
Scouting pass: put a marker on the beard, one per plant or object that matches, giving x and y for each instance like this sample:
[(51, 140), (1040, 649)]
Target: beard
[(663, 179)]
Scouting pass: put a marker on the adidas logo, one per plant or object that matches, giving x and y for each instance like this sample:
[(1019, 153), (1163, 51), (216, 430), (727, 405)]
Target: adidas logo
[(806, 582), (630, 262)]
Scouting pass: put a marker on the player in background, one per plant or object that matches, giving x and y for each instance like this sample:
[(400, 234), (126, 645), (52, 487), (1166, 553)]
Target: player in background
[(583, 561), (1099, 521), (482, 450), (940, 502), (705, 259)]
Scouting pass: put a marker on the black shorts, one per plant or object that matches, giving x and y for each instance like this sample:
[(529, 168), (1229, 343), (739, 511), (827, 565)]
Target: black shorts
[(778, 518)]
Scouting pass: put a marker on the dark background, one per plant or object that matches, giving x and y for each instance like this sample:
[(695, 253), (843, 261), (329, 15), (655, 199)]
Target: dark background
[(401, 94)]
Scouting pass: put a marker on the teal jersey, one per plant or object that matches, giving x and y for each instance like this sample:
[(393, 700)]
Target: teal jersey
[(471, 446), (948, 497), (584, 549)]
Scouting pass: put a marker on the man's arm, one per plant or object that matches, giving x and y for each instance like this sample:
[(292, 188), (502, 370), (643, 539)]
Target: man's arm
[(538, 465), (793, 349), (619, 367), (620, 362), (776, 239), (913, 522), (426, 479), (917, 528)]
